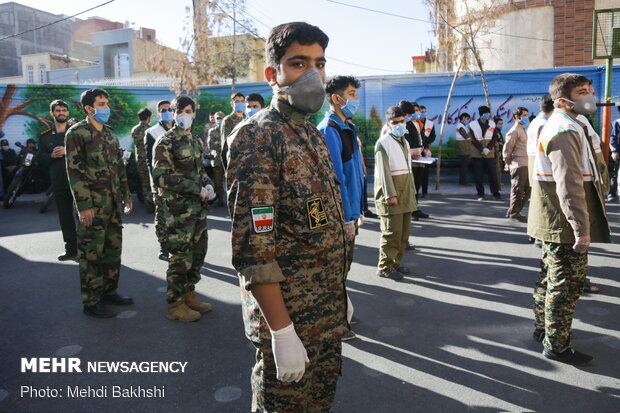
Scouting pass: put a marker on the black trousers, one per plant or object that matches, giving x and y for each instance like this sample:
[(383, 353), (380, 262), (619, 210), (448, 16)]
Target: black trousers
[(613, 176), (463, 169), (418, 176), (66, 217), (488, 167)]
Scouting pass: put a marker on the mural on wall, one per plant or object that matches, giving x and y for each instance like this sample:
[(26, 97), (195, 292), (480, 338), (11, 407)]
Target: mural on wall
[(24, 109)]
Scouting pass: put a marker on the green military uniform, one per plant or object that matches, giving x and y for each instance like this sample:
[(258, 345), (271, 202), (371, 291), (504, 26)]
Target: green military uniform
[(137, 135), (214, 143), (98, 181), (152, 134), (288, 228), (48, 140), (395, 219), (564, 204), (228, 124), (178, 171)]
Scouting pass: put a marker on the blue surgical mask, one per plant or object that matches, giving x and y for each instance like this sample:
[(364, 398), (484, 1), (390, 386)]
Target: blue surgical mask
[(499, 127), (486, 116), (465, 122), (102, 115), (398, 130), (349, 109), (218, 122), (408, 118), (416, 115), (251, 111), (422, 115), (525, 121), (240, 107), (166, 116)]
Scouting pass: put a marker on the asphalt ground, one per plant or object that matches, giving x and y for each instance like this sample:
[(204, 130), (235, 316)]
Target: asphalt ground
[(455, 336)]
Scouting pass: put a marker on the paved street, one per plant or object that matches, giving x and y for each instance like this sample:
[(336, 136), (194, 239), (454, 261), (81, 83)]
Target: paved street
[(453, 337)]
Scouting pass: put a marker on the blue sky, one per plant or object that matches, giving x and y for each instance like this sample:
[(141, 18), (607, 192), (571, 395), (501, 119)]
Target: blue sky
[(378, 44)]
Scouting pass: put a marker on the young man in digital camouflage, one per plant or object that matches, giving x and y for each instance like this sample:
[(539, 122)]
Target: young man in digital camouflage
[(288, 237), (99, 186)]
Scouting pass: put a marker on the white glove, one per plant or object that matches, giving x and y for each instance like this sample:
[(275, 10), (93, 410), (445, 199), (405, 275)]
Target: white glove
[(485, 151), (349, 228), (289, 354), (210, 192), (349, 309), (581, 244)]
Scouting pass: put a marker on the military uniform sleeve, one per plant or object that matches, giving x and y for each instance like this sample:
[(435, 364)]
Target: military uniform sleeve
[(164, 172), (564, 151), (383, 169), (75, 153), (44, 154), (122, 175), (253, 179)]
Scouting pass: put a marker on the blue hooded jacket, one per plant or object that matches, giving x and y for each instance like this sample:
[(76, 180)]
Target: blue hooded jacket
[(341, 140)]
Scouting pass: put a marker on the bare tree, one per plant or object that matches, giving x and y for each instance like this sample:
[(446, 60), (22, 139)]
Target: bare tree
[(459, 36), (236, 44), (6, 110)]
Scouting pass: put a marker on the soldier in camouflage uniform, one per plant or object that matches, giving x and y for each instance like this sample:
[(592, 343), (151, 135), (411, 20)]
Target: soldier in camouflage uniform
[(178, 172), (237, 102), (152, 134), (567, 212), (52, 155), (137, 135), (288, 237), (99, 185), (215, 154)]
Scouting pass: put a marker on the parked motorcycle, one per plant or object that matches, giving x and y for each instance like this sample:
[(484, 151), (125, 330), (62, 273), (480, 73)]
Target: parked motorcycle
[(22, 177)]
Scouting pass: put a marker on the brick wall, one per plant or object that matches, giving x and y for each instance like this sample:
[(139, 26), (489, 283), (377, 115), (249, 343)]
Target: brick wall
[(572, 25)]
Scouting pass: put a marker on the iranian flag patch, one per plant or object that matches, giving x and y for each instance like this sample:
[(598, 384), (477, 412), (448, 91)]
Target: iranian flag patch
[(262, 219)]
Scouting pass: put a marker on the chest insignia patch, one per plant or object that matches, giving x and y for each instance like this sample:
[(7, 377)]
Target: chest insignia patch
[(316, 213)]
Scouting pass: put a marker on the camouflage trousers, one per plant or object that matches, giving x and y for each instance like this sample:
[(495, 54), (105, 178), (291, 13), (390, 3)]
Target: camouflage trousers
[(99, 247), (560, 284), (218, 182), (351, 248), (145, 184), (394, 236), (187, 245), (160, 220), (313, 393)]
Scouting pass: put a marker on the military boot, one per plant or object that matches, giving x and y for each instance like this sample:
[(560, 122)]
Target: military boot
[(180, 311), (195, 304)]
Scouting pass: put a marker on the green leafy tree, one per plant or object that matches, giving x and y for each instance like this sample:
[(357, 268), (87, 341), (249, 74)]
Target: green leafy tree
[(124, 107)]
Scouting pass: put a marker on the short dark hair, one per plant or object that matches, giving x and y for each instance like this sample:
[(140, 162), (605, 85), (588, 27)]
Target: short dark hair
[(338, 84), (211, 113), (283, 35), (162, 102), (394, 112), (546, 104), (483, 109), (255, 97), (519, 110), (405, 106), (497, 119), (237, 95), (422, 107), (144, 114), (464, 115), (30, 140), (180, 102), (562, 85), (58, 102), (87, 98)]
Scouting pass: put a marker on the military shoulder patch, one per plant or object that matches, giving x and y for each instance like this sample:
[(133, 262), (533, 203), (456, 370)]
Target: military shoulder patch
[(262, 219), (45, 131), (317, 217)]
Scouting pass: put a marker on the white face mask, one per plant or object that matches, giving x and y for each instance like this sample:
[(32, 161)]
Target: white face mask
[(184, 120)]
